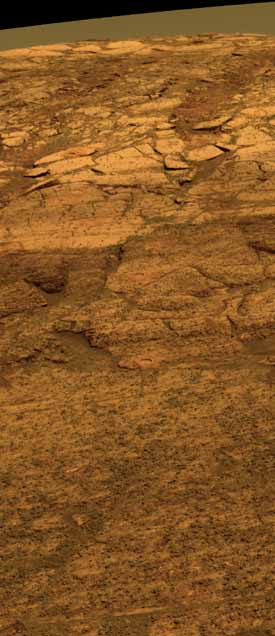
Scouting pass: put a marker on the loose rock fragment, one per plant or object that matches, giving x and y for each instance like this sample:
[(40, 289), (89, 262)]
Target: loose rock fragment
[(36, 172), (46, 183), (74, 151), (213, 123), (204, 153), (173, 163), (169, 144), (15, 139)]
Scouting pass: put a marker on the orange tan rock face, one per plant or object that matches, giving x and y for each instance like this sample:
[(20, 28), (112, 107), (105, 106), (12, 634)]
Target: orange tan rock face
[(137, 337)]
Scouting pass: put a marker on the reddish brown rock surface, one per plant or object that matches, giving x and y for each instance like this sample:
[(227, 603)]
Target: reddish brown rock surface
[(137, 337)]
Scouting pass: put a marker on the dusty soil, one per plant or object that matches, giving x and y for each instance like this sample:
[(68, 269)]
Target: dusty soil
[(137, 337)]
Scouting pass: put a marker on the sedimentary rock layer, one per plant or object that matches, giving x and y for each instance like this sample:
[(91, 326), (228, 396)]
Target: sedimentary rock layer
[(137, 337)]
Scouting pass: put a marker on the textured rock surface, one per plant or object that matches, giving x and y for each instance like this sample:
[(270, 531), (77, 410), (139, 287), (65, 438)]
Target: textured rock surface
[(137, 337)]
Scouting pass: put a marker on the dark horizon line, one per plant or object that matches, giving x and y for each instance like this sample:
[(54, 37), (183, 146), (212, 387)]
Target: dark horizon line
[(13, 22)]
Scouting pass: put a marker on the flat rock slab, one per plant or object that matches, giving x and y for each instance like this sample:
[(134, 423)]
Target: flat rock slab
[(137, 337)]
